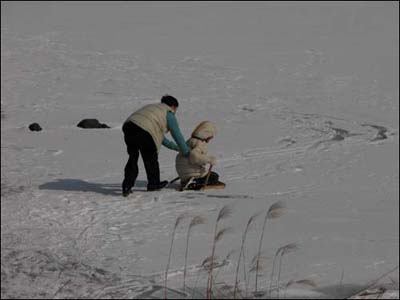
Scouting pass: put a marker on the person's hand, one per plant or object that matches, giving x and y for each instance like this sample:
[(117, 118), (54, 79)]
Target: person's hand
[(213, 160)]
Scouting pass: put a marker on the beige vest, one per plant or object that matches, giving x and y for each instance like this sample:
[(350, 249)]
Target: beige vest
[(153, 119)]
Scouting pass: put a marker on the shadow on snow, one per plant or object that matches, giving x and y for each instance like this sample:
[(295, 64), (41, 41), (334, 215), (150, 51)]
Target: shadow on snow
[(79, 185)]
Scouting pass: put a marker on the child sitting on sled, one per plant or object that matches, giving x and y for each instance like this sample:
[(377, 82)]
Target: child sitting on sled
[(192, 169)]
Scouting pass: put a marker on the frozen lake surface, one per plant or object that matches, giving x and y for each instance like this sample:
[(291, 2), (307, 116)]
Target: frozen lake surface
[(305, 97)]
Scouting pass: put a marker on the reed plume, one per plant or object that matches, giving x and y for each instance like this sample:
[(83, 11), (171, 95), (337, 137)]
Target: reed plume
[(303, 282), (282, 251), (275, 211), (224, 213)]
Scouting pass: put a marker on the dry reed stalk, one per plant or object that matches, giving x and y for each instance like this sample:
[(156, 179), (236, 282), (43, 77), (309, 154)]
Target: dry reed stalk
[(275, 211), (177, 222), (224, 260), (224, 213), (259, 267), (249, 222), (273, 269), (197, 220), (375, 281), (285, 249)]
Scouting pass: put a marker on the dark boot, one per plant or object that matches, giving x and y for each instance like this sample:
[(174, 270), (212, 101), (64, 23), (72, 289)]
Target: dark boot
[(126, 191), (157, 187)]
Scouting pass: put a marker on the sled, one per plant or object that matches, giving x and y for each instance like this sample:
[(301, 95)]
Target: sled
[(185, 187), (219, 186), (190, 186)]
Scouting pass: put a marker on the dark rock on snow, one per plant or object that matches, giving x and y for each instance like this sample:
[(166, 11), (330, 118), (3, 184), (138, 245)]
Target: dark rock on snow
[(35, 127), (91, 123)]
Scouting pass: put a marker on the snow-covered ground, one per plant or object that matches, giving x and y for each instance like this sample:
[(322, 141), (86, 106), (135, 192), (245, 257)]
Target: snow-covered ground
[(305, 97)]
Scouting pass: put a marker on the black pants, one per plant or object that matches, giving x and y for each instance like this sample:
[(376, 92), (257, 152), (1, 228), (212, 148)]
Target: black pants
[(138, 140)]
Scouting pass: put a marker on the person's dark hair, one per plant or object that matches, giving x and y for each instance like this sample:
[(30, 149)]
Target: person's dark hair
[(169, 100)]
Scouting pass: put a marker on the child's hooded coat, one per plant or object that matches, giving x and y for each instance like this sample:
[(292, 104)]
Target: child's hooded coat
[(195, 164)]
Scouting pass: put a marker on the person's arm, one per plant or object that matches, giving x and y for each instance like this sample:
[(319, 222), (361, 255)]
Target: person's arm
[(173, 126), (170, 144)]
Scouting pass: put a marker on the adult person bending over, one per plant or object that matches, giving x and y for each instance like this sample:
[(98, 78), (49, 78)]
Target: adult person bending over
[(144, 132)]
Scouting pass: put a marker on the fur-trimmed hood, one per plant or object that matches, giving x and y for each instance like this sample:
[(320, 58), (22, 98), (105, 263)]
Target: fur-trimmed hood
[(204, 130)]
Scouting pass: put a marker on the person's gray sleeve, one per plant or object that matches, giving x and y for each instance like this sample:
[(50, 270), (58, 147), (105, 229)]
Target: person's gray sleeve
[(173, 126)]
